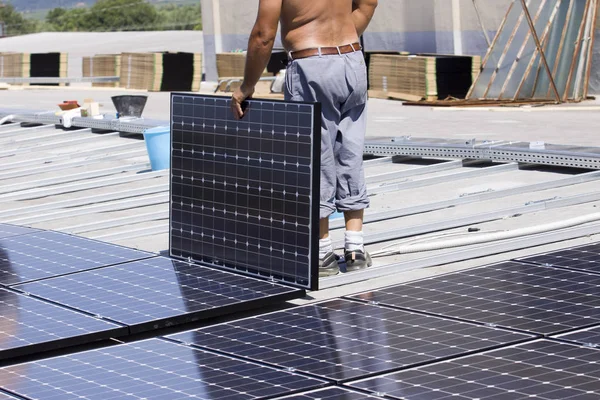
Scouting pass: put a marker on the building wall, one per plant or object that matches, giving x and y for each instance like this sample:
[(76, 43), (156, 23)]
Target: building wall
[(417, 26)]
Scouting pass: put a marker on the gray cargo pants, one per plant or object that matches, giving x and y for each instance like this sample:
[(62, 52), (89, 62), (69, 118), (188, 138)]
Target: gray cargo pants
[(339, 83)]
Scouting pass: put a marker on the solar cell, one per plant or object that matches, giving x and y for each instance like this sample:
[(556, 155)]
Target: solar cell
[(581, 258), (29, 326), (46, 254), (341, 339), (7, 230), (245, 194), (541, 370), (525, 297), (5, 396), (151, 369), (333, 393), (588, 337), (158, 292)]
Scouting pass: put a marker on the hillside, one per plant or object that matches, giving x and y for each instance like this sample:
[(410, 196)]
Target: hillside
[(39, 5)]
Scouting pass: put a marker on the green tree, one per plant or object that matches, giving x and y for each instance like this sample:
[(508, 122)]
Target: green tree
[(122, 15), (178, 17), (14, 22)]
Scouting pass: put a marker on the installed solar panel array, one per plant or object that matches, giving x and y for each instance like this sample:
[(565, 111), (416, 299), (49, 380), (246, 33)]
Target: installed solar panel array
[(244, 194)]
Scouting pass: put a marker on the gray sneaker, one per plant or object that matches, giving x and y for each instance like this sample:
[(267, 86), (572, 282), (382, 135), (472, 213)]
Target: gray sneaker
[(328, 266), (357, 259)]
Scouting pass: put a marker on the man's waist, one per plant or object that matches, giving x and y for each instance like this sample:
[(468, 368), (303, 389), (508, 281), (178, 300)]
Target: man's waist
[(324, 51)]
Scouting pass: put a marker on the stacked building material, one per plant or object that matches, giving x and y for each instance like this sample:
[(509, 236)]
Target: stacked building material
[(231, 65), (421, 76), (102, 65), (161, 71), (48, 65), (14, 65)]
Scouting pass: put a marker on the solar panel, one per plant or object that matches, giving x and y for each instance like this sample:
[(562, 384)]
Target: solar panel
[(5, 396), (531, 298), (28, 326), (588, 337), (158, 292), (581, 258), (7, 230), (341, 340), (46, 254), (540, 370), (151, 369), (333, 393), (245, 194)]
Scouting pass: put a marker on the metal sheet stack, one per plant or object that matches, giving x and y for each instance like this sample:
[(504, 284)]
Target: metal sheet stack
[(102, 65), (421, 76), (161, 71)]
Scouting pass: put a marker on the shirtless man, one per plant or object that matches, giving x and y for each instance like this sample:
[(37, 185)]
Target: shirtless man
[(326, 65)]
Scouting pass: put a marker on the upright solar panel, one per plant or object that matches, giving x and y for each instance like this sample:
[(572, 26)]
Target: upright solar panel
[(7, 230), (159, 292), (151, 369), (332, 393), (525, 297), (580, 258), (588, 337), (47, 254), (541, 370), (29, 326), (341, 340), (245, 194)]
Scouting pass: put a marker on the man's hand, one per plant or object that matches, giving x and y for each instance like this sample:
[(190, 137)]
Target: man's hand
[(239, 96)]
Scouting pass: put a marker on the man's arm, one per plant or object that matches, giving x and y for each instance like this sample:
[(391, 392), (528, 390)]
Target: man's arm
[(260, 46), (362, 13)]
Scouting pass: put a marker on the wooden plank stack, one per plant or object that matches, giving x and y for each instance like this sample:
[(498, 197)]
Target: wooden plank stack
[(101, 65), (14, 65), (421, 76), (161, 71)]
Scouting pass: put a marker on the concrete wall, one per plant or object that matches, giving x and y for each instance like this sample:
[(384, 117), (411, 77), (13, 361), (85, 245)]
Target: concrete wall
[(418, 26)]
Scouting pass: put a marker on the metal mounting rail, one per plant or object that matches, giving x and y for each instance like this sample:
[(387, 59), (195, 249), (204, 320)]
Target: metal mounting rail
[(54, 80), (499, 151)]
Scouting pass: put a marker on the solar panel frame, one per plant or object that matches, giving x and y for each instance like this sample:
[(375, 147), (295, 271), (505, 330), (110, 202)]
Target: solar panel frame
[(6, 396), (584, 258), (47, 254), (159, 292), (41, 326), (564, 300), (150, 369), (247, 229), (330, 393), (541, 369), (341, 340), (589, 337), (8, 230)]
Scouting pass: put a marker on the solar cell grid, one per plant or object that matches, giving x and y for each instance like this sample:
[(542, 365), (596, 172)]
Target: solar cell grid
[(158, 292), (46, 254), (525, 297), (334, 393), (7, 230), (581, 258), (341, 340), (28, 326), (244, 194), (588, 337), (152, 369), (542, 370)]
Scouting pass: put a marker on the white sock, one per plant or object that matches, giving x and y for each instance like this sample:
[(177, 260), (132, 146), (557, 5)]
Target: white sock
[(325, 246), (354, 241)]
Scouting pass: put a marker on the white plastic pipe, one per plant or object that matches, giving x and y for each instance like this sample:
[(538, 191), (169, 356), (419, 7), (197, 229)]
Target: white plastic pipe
[(489, 237)]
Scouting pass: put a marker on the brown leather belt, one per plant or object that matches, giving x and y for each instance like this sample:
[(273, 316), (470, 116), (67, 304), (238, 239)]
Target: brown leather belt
[(324, 51)]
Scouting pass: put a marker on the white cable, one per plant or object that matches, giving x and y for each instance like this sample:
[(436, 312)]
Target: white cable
[(489, 237), (8, 118)]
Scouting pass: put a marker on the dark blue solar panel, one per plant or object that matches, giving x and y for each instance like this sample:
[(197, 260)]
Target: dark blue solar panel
[(540, 370), (333, 393), (581, 258), (341, 339), (5, 396), (28, 326), (245, 193), (536, 299), (588, 337), (14, 230), (151, 369), (46, 254), (159, 292)]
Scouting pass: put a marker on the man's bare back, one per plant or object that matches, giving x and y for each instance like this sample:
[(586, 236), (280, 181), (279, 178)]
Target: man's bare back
[(314, 23)]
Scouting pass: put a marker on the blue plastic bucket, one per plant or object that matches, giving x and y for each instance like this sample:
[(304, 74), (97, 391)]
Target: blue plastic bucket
[(158, 144)]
